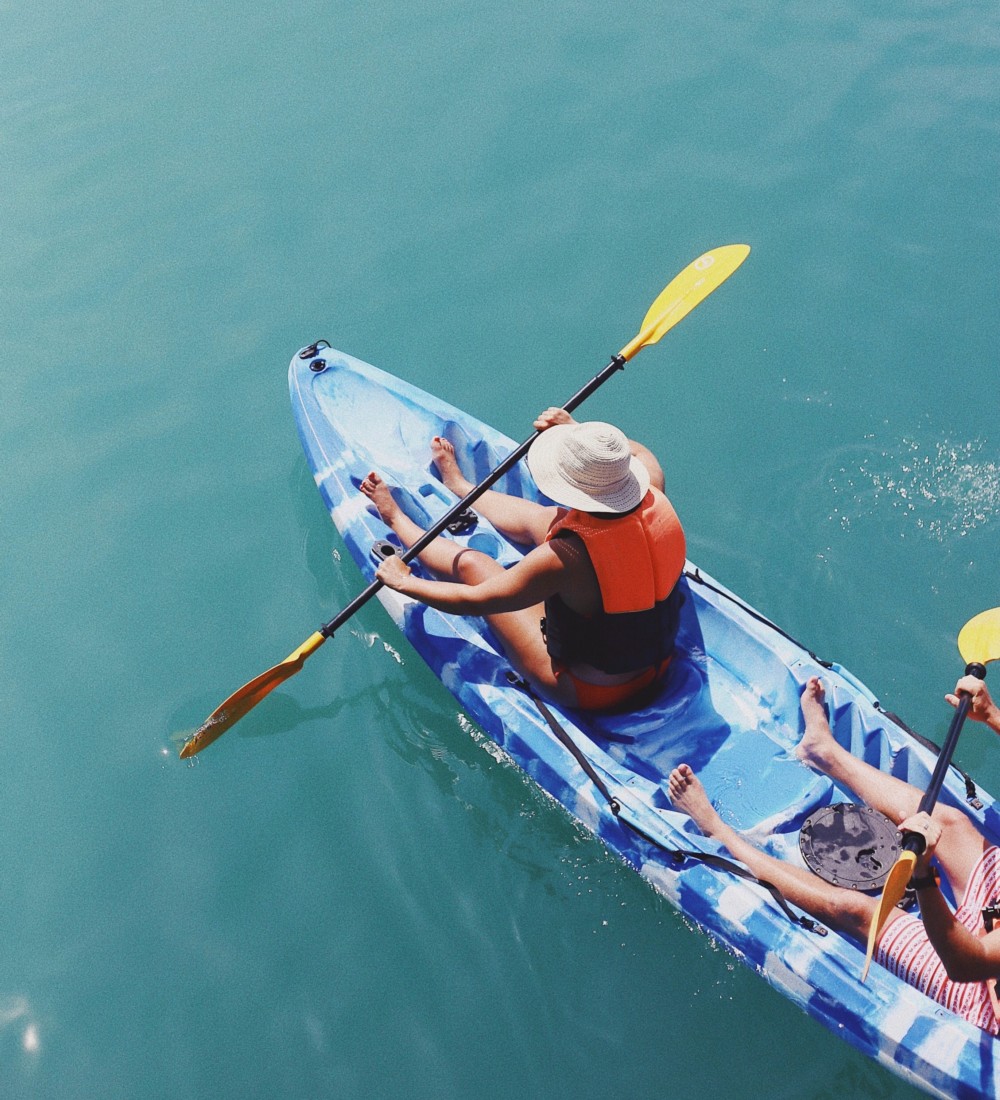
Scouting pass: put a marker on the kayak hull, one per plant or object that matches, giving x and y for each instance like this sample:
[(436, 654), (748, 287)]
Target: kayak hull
[(730, 708)]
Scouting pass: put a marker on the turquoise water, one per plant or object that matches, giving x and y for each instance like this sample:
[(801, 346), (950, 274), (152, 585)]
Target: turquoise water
[(348, 894)]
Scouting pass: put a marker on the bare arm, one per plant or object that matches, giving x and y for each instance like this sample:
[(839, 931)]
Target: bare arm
[(538, 575), (966, 958)]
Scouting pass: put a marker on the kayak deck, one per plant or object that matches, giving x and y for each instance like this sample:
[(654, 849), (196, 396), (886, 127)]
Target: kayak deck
[(729, 708)]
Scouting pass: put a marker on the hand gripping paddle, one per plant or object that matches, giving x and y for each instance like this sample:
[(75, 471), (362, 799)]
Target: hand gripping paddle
[(978, 643)]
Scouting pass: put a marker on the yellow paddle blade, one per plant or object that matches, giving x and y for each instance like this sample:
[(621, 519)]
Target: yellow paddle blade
[(892, 895), (683, 293), (979, 639), (244, 700)]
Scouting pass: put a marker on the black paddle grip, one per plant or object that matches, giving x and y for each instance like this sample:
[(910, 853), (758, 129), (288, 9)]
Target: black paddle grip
[(914, 842)]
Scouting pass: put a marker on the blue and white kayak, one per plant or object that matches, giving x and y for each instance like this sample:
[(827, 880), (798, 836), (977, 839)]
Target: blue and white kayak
[(730, 709)]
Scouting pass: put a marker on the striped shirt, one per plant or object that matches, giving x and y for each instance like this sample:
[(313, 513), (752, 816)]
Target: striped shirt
[(905, 950)]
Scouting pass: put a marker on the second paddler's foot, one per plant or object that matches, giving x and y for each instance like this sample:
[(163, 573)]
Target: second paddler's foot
[(689, 796), (443, 457), (378, 493), (818, 743)]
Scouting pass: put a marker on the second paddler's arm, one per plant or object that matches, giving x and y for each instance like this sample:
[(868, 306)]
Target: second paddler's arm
[(966, 958), (538, 575)]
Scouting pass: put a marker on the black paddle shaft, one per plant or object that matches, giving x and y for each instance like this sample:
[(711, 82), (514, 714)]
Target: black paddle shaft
[(328, 629), (914, 842)]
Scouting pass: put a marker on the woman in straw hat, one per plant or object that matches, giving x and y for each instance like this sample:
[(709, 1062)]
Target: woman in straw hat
[(590, 614)]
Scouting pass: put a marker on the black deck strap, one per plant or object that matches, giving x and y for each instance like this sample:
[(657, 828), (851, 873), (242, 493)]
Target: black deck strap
[(732, 867), (971, 794), (676, 854), (564, 739), (695, 575)]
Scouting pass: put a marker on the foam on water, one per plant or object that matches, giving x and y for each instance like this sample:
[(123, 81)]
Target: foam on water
[(942, 489)]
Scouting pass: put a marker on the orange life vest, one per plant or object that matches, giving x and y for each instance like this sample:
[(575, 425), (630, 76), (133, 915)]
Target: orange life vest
[(638, 559)]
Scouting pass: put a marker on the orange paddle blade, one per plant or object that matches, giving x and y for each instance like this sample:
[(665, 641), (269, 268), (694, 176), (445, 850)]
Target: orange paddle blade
[(248, 696)]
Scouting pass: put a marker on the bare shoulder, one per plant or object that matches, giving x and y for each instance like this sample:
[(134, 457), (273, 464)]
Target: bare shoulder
[(569, 548), (577, 569), (576, 578), (549, 557), (564, 560)]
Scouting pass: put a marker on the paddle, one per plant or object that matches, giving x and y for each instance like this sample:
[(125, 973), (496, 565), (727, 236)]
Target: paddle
[(676, 301), (978, 643)]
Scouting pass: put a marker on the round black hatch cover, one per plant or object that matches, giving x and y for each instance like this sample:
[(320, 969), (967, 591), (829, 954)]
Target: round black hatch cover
[(850, 845)]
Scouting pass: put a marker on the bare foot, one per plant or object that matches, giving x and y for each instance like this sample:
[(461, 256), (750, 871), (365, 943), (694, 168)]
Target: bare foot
[(443, 457), (688, 795), (378, 493), (818, 740)]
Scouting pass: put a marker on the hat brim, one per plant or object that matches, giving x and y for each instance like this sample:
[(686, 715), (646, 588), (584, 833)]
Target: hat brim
[(542, 459)]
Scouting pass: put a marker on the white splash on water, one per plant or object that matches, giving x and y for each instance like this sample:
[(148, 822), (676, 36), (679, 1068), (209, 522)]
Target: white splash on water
[(947, 490)]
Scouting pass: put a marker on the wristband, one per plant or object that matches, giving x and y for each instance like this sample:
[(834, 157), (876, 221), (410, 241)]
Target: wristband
[(925, 882)]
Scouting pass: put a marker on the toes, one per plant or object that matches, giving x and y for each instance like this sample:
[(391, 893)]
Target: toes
[(680, 778), (371, 484)]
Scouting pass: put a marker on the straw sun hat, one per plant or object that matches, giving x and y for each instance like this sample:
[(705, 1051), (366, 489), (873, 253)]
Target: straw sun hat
[(588, 466)]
